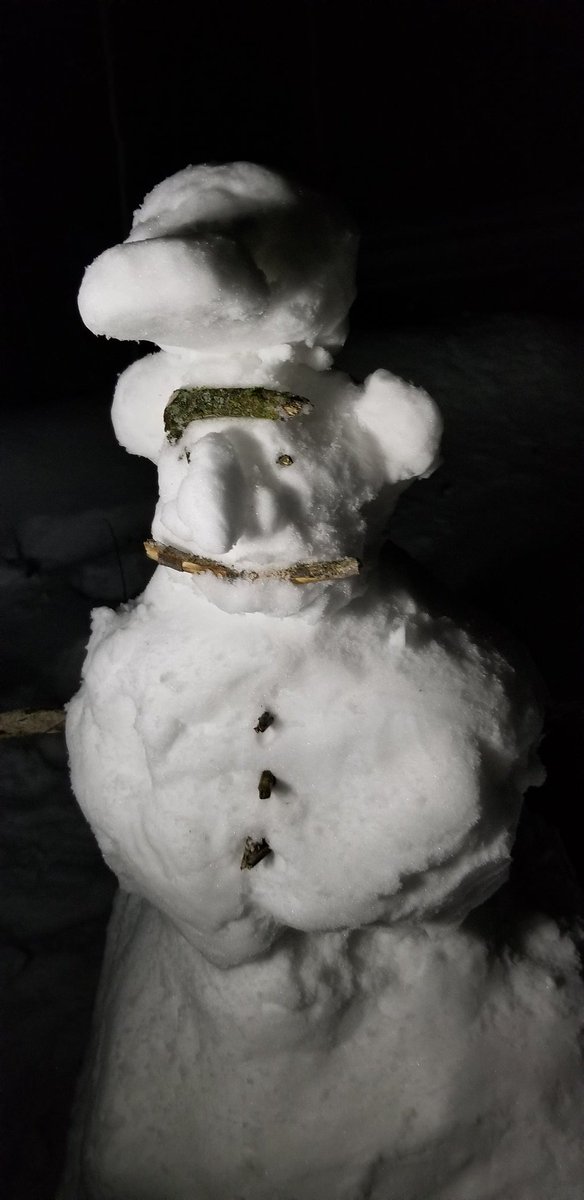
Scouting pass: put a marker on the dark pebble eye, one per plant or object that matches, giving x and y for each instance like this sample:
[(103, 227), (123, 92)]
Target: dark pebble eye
[(284, 460)]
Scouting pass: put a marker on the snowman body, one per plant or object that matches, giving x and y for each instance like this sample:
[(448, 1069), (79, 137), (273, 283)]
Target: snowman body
[(390, 798), (318, 1023)]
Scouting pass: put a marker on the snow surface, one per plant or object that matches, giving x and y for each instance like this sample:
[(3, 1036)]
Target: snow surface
[(400, 750), (369, 1064), (226, 253), (319, 1026)]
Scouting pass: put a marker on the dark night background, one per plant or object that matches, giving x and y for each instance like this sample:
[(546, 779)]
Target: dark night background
[(453, 130)]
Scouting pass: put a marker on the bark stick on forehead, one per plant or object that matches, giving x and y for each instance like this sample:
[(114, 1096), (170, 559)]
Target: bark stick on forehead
[(189, 404)]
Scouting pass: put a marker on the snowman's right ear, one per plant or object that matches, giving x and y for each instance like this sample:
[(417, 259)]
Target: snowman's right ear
[(405, 423)]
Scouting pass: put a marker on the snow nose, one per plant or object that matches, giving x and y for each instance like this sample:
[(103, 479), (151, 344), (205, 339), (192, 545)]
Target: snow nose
[(210, 499)]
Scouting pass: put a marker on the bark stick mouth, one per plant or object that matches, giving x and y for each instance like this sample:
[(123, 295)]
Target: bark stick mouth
[(328, 570)]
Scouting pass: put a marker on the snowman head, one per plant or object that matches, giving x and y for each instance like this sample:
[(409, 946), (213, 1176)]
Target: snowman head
[(254, 482), (239, 275), (226, 257)]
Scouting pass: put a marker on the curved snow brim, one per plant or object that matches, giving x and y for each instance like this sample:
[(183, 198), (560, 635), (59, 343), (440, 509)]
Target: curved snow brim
[(165, 288)]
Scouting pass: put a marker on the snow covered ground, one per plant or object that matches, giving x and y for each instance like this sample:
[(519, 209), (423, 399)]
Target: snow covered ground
[(499, 523)]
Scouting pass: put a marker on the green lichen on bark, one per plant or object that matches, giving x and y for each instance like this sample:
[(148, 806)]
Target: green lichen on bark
[(202, 403)]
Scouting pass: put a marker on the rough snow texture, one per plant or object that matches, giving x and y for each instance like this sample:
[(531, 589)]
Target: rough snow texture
[(225, 493), (225, 254), (318, 1026), (370, 1065), (400, 749)]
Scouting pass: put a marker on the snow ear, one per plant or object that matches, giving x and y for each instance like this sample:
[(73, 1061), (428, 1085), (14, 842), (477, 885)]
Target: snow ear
[(141, 395), (405, 423)]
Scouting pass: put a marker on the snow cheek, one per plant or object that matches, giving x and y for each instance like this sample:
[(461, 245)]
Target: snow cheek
[(172, 467), (171, 471), (266, 510), (282, 504)]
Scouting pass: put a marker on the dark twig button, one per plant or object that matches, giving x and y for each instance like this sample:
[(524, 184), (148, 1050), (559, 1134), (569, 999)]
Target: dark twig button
[(264, 722), (265, 785), (253, 852)]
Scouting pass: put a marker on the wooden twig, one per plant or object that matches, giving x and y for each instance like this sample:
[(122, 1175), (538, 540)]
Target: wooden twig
[(297, 573), (253, 852), (202, 403), (24, 722)]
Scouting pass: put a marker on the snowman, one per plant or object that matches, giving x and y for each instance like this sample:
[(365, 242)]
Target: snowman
[(303, 775)]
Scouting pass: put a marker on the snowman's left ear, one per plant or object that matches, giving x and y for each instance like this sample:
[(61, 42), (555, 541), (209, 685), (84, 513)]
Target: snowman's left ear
[(404, 422)]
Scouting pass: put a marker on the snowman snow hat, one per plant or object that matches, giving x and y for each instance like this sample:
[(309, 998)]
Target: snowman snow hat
[(226, 258)]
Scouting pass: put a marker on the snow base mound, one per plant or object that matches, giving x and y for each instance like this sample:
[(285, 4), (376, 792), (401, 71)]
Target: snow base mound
[(382, 1062)]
